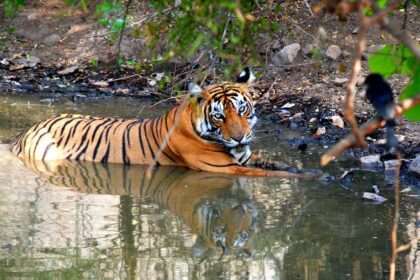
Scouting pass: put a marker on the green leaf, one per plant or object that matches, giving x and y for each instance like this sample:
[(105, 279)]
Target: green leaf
[(412, 90), (382, 61), (381, 3), (103, 21)]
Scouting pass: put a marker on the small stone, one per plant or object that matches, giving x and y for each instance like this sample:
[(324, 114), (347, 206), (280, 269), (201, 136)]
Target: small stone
[(360, 81), (372, 50), (68, 70), (374, 197), (391, 165), (371, 161), (414, 166), (333, 52), (287, 55), (337, 121), (52, 40), (322, 33), (340, 81), (307, 49), (355, 30)]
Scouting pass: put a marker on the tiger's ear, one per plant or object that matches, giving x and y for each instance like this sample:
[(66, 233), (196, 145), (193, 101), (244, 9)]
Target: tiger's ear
[(246, 76), (194, 89)]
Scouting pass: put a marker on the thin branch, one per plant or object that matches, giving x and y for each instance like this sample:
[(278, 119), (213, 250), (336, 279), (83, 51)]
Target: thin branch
[(168, 134), (127, 7), (365, 129), (356, 67)]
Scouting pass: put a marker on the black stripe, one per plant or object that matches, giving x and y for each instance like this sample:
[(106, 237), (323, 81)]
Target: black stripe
[(221, 165), (148, 144), (46, 150), (106, 155), (37, 143)]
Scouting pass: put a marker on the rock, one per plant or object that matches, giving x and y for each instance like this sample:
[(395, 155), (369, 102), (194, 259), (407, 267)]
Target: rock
[(372, 50), (287, 55), (337, 121), (321, 33), (373, 197), (391, 165), (355, 30), (371, 161), (307, 49), (360, 81), (333, 52), (51, 40), (340, 81), (68, 70), (414, 166), (25, 62)]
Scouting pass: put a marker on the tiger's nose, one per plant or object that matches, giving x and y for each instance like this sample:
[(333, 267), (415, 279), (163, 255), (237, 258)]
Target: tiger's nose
[(238, 137)]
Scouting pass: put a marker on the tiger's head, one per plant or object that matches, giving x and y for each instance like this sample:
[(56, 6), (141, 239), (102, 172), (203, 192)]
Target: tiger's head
[(225, 112)]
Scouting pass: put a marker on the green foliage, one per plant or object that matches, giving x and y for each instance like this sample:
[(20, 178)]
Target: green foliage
[(397, 59), (222, 28), (110, 14), (11, 7)]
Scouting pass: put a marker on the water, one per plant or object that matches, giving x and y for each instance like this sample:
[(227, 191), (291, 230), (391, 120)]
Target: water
[(82, 220)]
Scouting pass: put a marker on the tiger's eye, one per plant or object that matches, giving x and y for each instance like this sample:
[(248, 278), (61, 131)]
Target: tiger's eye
[(218, 116), (242, 109)]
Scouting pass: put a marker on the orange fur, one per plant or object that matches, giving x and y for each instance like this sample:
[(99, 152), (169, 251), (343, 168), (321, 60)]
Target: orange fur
[(213, 135)]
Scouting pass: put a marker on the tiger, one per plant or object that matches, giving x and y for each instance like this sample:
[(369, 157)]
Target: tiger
[(212, 132), (214, 206)]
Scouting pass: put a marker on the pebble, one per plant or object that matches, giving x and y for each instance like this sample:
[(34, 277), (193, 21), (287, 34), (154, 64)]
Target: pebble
[(340, 81), (333, 52)]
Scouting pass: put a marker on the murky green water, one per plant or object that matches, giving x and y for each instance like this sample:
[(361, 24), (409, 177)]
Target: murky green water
[(96, 221)]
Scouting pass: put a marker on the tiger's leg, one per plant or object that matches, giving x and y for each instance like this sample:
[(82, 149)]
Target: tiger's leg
[(259, 162)]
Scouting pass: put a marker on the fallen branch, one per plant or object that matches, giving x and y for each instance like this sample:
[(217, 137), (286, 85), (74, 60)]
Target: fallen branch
[(366, 129)]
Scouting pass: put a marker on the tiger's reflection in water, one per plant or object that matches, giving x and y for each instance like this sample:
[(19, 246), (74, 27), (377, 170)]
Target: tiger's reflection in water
[(213, 206)]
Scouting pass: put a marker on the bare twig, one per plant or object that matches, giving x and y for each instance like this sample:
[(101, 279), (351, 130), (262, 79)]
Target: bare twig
[(168, 134), (123, 78), (365, 129), (356, 67), (127, 7)]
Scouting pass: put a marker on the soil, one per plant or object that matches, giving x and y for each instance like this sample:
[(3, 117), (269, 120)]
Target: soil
[(61, 36)]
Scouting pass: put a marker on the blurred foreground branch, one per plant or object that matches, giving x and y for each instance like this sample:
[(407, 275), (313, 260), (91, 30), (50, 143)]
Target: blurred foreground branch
[(365, 129)]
